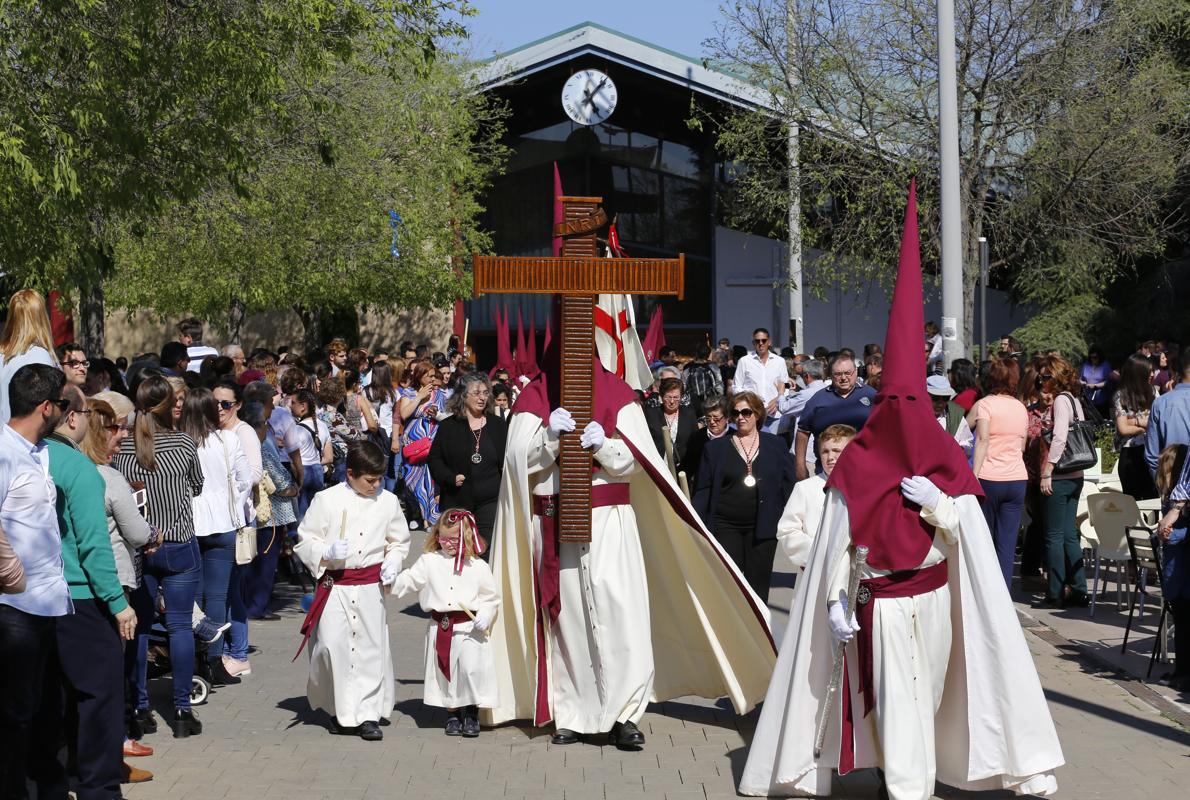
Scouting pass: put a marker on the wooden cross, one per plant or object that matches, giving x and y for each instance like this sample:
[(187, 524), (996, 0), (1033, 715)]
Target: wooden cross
[(578, 275)]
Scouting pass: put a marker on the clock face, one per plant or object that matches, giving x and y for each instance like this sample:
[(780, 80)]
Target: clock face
[(589, 97)]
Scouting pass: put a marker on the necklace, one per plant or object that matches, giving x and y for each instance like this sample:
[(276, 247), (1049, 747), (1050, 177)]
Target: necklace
[(749, 457), (477, 457)]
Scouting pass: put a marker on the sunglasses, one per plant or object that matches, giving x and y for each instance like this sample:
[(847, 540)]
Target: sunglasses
[(113, 428), (227, 405), (760, 341), (76, 363), (61, 402), (742, 412)]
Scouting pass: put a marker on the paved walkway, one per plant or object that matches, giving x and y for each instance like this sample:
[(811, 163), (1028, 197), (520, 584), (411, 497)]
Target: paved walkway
[(261, 740)]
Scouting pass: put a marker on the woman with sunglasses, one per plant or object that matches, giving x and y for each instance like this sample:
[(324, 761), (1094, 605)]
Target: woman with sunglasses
[(744, 480), (217, 516), (1060, 490)]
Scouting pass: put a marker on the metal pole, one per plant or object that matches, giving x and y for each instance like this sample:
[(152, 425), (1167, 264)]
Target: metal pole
[(793, 148), (983, 298), (953, 345)]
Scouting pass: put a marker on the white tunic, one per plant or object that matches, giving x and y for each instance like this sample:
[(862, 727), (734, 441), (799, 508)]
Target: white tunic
[(472, 668), (601, 649), (799, 521), (962, 643), (351, 669)]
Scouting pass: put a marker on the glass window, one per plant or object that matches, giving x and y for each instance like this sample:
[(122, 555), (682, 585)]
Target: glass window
[(679, 159), (686, 213)]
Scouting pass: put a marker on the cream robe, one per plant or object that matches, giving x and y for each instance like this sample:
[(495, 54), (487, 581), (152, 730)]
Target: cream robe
[(351, 667), (708, 633), (472, 669), (600, 650), (799, 521), (992, 729)]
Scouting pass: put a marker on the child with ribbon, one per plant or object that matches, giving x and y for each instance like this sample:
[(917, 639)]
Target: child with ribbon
[(459, 591)]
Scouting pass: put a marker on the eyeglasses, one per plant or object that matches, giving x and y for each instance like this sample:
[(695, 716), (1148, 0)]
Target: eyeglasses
[(73, 363), (113, 428), (1044, 377), (838, 375), (742, 412), (760, 341), (227, 405)]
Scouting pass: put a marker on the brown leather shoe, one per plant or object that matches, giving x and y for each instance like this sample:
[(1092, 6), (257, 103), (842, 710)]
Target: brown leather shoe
[(134, 749), (135, 774)]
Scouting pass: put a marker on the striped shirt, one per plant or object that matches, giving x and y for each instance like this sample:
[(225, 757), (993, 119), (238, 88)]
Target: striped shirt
[(171, 487)]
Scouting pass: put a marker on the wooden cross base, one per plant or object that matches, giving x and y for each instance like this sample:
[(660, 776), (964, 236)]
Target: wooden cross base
[(579, 275)]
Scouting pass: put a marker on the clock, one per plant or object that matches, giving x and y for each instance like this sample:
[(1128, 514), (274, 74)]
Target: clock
[(589, 97)]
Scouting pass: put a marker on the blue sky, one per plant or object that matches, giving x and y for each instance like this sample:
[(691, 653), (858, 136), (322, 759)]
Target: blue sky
[(679, 25)]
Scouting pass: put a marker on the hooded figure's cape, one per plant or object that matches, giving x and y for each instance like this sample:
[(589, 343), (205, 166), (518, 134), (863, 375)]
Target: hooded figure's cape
[(993, 729), (710, 631)]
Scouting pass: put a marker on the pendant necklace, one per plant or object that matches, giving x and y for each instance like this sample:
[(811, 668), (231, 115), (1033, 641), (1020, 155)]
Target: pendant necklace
[(477, 457), (749, 479)]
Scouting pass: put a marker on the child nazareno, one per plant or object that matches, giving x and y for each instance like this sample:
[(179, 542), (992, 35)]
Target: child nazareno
[(353, 539), (459, 591)]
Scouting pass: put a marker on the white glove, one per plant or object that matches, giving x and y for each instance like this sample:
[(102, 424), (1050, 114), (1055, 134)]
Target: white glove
[(337, 551), (921, 491), (561, 421), (836, 616), (483, 621), (389, 571), (593, 436)]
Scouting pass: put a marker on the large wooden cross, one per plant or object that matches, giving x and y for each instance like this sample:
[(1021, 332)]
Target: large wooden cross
[(578, 276)]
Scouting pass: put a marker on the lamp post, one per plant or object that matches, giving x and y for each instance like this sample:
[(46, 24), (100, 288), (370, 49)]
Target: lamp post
[(953, 345)]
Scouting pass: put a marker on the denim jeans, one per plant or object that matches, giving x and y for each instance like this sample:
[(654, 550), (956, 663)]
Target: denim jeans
[(1002, 506), (258, 576), (313, 482), (175, 571), (1064, 557), (218, 571)]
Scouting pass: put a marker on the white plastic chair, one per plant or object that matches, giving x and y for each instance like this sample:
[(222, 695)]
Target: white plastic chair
[(1110, 514)]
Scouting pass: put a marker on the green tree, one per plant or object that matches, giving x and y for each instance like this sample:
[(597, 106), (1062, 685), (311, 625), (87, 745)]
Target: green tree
[(309, 227), (1072, 133), (110, 110)]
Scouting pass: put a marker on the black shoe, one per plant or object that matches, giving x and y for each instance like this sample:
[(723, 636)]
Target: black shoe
[(220, 676), (454, 726), (185, 723), (145, 719), (1077, 600), (1050, 602), (342, 730), (470, 726), (626, 736), (370, 731), (564, 736)]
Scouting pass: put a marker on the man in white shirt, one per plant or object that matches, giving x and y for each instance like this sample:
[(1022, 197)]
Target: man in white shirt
[(29, 517), (765, 374)]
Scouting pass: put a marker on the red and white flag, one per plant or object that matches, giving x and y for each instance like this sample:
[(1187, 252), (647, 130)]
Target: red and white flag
[(616, 338)]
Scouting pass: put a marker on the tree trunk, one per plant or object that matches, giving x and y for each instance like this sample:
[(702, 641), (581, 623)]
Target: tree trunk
[(312, 325), (235, 320), (90, 331)]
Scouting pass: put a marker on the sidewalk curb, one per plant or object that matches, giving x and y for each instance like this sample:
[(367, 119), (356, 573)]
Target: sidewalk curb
[(1134, 686)]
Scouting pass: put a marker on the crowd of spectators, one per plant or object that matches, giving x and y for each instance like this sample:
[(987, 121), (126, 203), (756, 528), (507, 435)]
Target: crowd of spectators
[(163, 493)]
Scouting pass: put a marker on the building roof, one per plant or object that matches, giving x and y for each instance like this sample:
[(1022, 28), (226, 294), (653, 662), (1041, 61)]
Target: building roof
[(589, 38)]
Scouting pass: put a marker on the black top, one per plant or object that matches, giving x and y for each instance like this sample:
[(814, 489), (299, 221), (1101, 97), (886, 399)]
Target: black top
[(772, 467), (450, 455), (737, 500), (687, 425)]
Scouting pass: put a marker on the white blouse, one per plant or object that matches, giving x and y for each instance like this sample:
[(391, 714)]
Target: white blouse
[(215, 509), (433, 577)]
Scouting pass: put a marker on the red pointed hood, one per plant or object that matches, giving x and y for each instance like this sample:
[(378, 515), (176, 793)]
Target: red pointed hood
[(902, 437)]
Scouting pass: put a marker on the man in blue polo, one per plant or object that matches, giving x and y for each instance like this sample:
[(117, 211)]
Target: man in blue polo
[(844, 402)]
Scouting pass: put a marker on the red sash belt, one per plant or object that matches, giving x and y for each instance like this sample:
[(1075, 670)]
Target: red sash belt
[(446, 628), (909, 583), (546, 586), (360, 576), (898, 584)]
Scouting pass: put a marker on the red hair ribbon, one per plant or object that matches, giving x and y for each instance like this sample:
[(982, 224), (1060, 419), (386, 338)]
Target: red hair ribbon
[(467, 527)]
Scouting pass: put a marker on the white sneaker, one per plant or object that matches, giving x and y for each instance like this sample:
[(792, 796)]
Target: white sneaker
[(235, 667)]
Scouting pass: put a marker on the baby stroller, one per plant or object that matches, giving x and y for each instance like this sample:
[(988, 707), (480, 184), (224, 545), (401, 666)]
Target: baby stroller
[(159, 663)]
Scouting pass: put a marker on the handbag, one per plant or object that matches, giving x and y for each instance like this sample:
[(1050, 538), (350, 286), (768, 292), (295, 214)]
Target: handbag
[(1080, 451), (417, 451), (245, 534)]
